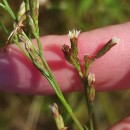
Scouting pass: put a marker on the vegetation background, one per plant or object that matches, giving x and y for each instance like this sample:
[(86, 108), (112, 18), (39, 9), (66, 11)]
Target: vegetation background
[(22, 112)]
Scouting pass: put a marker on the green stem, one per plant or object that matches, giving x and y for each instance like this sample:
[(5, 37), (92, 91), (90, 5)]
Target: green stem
[(72, 114), (39, 46), (66, 105), (86, 90), (91, 124), (91, 117), (89, 105), (51, 78), (26, 5), (61, 97), (57, 89)]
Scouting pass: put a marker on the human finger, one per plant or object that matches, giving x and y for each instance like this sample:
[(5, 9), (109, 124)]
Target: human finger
[(112, 71)]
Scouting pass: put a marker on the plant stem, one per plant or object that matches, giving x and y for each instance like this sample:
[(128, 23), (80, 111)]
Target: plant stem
[(52, 80), (89, 105), (86, 90), (91, 117), (68, 108), (56, 88), (26, 5)]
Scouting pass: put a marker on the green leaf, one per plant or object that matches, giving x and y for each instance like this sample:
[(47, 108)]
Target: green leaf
[(4, 28)]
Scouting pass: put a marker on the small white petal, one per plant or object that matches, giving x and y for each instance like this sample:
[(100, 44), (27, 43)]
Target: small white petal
[(73, 34), (115, 40)]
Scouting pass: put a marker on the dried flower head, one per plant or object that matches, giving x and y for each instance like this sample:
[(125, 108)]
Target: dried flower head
[(58, 118), (91, 92), (67, 52), (18, 27), (54, 110), (73, 34), (91, 79)]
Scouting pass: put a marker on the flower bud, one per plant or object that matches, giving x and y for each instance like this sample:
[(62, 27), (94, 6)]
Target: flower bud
[(58, 118), (73, 35), (91, 79), (87, 59), (37, 61), (107, 47), (67, 53), (91, 92)]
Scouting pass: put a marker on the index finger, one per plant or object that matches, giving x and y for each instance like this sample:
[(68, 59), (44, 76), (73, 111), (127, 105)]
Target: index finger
[(112, 71)]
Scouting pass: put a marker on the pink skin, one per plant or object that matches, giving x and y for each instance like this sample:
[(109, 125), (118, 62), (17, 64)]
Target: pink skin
[(122, 125), (112, 71)]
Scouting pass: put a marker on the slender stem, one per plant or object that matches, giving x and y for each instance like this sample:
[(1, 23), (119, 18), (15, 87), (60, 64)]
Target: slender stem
[(51, 78), (55, 86), (26, 5), (67, 106), (91, 123), (59, 93), (72, 114), (39, 46), (86, 91), (62, 99), (89, 105), (86, 94)]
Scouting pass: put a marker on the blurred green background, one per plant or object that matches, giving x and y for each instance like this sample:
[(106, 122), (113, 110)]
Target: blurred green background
[(21, 112)]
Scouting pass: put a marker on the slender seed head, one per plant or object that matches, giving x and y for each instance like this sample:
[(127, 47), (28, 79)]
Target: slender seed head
[(107, 47)]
